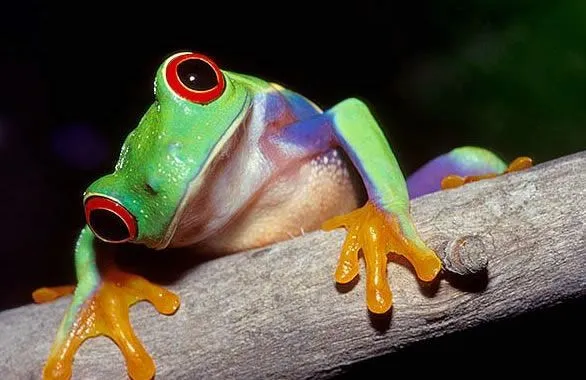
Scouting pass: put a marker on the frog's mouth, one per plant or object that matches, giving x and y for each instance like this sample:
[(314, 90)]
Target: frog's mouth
[(109, 220)]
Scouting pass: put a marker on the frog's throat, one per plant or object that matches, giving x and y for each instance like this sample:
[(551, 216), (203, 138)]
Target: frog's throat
[(195, 184)]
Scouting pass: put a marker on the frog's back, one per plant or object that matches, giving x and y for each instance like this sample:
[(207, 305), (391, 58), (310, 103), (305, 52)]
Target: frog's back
[(302, 107)]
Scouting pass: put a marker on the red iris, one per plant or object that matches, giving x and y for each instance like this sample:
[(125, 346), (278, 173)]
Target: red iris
[(109, 220), (195, 77)]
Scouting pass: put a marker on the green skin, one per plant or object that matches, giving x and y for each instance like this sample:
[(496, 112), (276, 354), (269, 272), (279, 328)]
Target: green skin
[(166, 162), (164, 154)]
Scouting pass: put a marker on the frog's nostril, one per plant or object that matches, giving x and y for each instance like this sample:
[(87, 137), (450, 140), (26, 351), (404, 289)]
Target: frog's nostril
[(109, 220), (150, 189)]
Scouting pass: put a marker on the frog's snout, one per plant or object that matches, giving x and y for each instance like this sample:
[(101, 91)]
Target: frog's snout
[(109, 220)]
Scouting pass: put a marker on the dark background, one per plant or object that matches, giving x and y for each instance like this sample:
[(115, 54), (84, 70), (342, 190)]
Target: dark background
[(76, 78)]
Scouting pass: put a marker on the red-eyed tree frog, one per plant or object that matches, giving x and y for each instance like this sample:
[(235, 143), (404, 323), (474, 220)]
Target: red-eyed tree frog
[(229, 162)]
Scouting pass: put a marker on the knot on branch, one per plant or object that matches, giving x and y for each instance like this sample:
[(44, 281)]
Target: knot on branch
[(464, 256)]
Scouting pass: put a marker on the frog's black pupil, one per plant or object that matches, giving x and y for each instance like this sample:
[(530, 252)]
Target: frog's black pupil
[(108, 225), (197, 75)]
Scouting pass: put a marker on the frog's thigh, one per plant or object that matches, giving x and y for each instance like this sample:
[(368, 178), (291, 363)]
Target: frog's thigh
[(464, 161)]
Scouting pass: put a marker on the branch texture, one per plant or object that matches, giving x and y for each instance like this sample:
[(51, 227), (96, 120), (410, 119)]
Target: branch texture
[(277, 313)]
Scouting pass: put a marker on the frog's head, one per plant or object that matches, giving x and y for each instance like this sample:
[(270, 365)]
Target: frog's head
[(197, 110)]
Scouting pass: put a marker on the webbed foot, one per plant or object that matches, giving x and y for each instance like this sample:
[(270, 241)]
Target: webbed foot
[(518, 164), (106, 313), (377, 233)]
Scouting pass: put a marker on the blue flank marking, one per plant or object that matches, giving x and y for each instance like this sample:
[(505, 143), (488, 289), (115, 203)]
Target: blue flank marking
[(312, 132), (300, 106)]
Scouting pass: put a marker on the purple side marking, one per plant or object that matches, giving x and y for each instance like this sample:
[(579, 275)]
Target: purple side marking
[(427, 179)]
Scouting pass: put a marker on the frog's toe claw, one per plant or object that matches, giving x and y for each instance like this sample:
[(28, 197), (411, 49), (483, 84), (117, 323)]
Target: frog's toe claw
[(376, 233), (107, 313), (48, 294)]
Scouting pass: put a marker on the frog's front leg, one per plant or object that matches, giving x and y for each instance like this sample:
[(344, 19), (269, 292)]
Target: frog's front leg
[(383, 224), (100, 306)]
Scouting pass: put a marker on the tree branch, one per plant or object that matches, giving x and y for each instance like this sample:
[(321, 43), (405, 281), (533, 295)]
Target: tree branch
[(276, 312)]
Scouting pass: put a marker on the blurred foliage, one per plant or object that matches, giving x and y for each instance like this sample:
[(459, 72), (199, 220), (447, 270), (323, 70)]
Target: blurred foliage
[(504, 74)]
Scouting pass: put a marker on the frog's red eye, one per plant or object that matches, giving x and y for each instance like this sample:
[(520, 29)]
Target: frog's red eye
[(109, 220), (195, 77)]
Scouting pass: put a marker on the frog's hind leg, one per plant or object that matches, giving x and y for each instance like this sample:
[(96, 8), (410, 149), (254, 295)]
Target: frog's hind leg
[(460, 166)]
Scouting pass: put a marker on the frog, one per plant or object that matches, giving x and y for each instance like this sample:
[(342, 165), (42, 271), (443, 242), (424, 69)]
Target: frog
[(227, 162)]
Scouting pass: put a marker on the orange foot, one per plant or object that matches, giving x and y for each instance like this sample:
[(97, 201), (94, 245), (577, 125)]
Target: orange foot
[(376, 233), (106, 313), (43, 295), (518, 164)]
